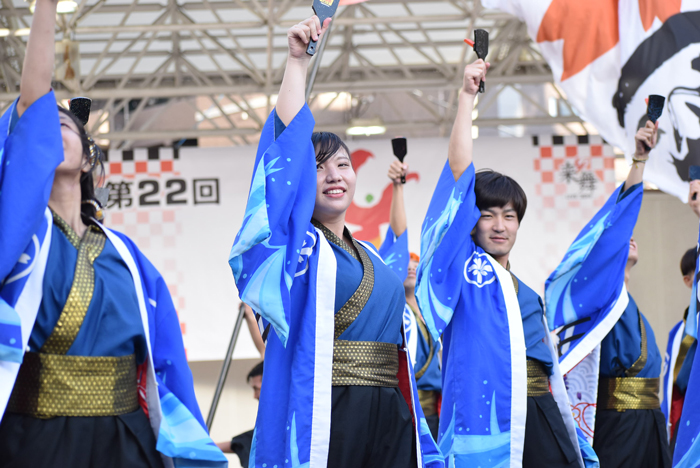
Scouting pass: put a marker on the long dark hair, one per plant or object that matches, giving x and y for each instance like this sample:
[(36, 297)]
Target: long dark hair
[(87, 178)]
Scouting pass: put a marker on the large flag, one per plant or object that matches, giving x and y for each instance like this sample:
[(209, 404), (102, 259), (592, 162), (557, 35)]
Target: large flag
[(609, 55)]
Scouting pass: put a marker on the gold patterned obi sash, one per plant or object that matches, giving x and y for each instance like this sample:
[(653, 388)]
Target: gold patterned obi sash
[(631, 392), (49, 382), (537, 379), (361, 363)]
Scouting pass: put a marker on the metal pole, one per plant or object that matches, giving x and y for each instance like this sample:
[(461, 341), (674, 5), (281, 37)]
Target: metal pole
[(225, 367), (317, 61)]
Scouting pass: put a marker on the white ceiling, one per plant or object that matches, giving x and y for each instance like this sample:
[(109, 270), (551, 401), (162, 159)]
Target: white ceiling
[(218, 65)]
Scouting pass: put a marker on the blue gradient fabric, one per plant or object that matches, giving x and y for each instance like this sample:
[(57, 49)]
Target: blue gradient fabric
[(470, 299), (394, 252), (286, 270), (585, 295), (29, 156), (687, 451)]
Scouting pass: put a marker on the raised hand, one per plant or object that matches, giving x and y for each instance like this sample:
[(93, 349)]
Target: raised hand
[(293, 89), (396, 170), (474, 73), (298, 36), (645, 140), (39, 57)]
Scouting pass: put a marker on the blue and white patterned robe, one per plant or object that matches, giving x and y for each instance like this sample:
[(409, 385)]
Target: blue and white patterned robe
[(285, 269), (29, 155), (586, 296)]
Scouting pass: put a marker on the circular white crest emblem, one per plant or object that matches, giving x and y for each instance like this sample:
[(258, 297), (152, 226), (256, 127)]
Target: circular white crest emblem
[(478, 270)]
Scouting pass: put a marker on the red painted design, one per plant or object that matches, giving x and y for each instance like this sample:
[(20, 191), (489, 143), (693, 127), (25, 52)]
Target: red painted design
[(142, 373), (371, 218)]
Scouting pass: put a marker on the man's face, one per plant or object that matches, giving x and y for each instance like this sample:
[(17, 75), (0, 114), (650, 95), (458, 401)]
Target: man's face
[(256, 385), (497, 230), (633, 255), (410, 282), (688, 280)]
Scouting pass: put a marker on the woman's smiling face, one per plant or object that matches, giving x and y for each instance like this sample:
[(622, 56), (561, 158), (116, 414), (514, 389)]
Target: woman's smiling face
[(335, 186)]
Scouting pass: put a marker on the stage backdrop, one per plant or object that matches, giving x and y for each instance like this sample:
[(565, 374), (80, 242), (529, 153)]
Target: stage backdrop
[(183, 209)]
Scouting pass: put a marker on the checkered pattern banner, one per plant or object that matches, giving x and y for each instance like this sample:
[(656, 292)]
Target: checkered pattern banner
[(575, 176)]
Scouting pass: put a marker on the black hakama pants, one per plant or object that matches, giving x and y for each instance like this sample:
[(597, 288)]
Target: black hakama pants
[(371, 427), (124, 441), (547, 442), (631, 439)]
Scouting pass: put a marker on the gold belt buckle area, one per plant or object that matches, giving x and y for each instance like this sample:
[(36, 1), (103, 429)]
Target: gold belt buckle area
[(537, 379), (51, 385), (629, 393), (365, 363), (428, 401)]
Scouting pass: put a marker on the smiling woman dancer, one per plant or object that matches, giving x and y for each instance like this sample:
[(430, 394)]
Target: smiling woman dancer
[(88, 332), (338, 390)]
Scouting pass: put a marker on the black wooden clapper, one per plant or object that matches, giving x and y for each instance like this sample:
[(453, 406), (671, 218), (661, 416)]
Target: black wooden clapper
[(400, 150), (323, 9), (655, 107), (80, 107), (481, 47)]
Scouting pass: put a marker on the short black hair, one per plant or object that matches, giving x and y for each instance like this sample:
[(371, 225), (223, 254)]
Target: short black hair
[(494, 189), (326, 144), (690, 257), (255, 371)]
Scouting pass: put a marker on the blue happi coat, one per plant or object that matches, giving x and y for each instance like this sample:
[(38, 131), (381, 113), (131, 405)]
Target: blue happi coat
[(586, 297), (29, 155), (286, 270), (687, 451), (470, 299)]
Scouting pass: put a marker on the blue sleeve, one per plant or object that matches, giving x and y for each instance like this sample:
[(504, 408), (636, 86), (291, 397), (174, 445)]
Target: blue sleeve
[(279, 126), (14, 118), (28, 159), (264, 257), (627, 192), (169, 358), (589, 279), (445, 240), (165, 334), (394, 252)]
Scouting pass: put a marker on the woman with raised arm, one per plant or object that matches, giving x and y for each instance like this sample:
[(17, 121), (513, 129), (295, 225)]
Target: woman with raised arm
[(338, 388), (92, 364)]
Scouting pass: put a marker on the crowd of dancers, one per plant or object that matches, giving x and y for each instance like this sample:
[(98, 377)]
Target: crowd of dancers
[(373, 358)]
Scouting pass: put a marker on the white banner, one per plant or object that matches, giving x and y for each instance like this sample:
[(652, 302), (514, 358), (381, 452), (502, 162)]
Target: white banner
[(608, 57), (183, 210)]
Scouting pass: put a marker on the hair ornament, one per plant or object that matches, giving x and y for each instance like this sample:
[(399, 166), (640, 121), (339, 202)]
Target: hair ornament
[(99, 214)]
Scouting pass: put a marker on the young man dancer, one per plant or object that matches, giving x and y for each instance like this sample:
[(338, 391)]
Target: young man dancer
[(498, 362)]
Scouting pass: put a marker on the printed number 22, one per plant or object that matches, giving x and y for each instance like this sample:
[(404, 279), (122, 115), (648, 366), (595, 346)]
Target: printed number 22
[(144, 197), (181, 187)]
